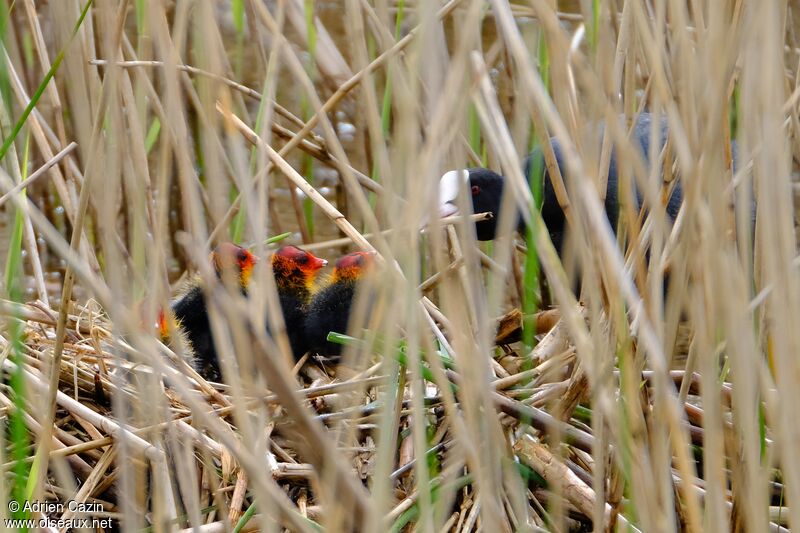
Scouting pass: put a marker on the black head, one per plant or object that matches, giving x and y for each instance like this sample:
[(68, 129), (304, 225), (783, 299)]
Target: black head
[(485, 187)]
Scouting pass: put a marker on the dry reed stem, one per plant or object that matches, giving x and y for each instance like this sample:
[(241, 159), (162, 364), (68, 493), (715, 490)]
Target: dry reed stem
[(685, 59), (38, 173), (330, 211)]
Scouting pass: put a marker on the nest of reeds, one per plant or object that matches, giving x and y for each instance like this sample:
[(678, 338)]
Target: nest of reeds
[(537, 395)]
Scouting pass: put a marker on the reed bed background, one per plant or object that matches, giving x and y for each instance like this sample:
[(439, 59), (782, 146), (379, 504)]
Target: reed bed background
[(137, 135)]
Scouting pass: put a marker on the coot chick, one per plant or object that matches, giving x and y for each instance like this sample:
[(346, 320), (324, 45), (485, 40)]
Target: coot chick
[(330, 307), (486, 187), (191, 312), (294, 271)]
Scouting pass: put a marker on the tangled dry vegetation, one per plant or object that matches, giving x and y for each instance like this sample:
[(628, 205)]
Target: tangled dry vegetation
[(139, 134)]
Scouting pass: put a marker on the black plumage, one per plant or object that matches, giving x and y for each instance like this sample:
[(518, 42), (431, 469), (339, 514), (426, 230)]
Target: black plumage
[(330, 307), (190, 310), (191, 314), (294, 271), (486, 187)]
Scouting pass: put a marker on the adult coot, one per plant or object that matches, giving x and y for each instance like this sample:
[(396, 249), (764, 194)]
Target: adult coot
[(486, 187)]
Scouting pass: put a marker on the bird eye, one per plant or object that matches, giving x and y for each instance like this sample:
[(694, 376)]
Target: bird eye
[(241, 256), (302, 259), (475, 190)]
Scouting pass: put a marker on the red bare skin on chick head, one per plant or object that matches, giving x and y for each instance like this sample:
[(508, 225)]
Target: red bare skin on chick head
[(352, 266), (228, 257), (330, 307), (294, 267), (163, 325)]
